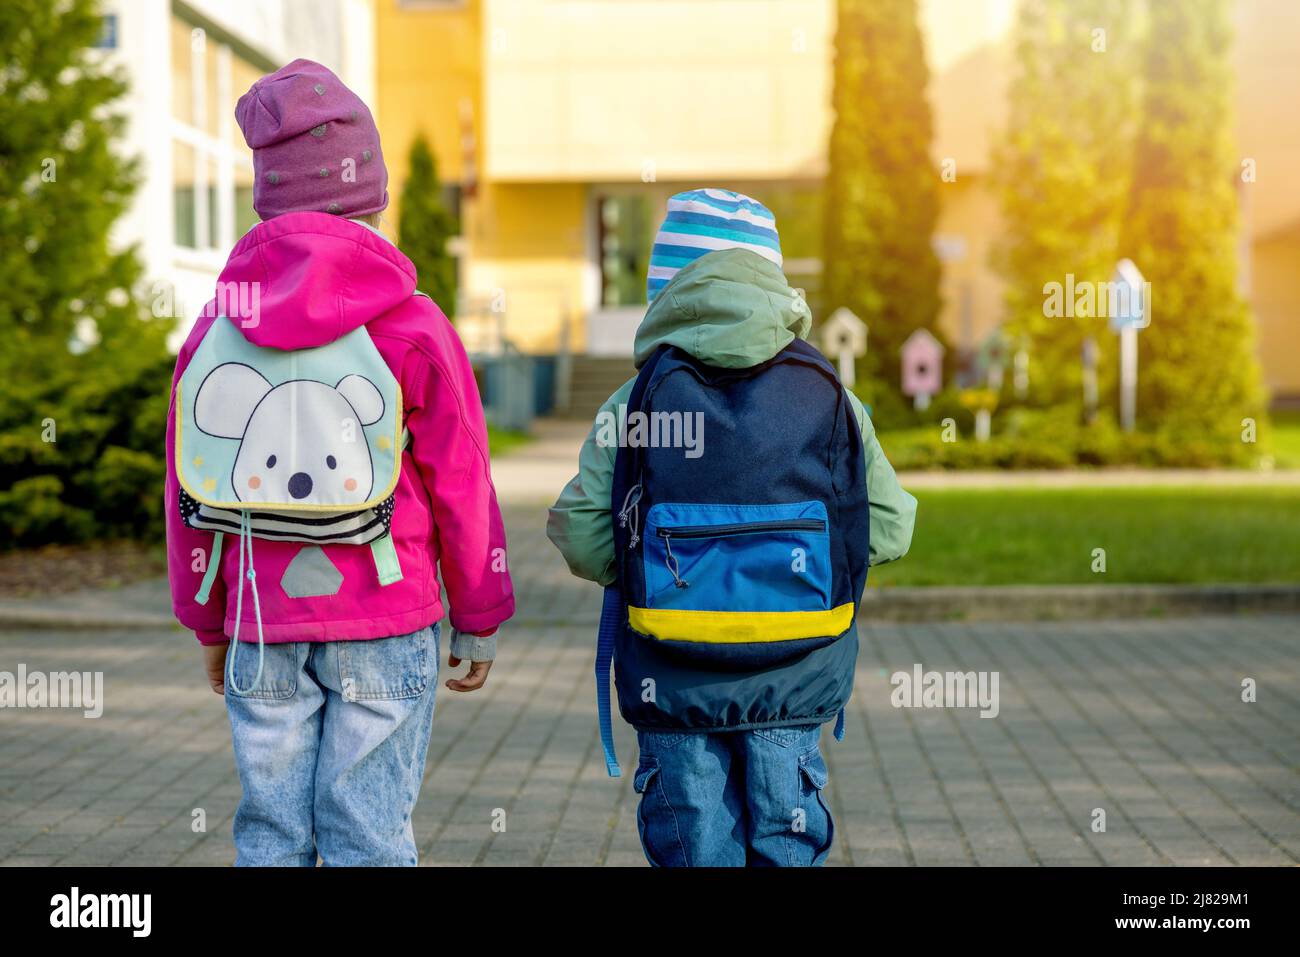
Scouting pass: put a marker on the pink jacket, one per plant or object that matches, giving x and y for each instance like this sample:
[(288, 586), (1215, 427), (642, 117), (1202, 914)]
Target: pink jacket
[(320, 277)]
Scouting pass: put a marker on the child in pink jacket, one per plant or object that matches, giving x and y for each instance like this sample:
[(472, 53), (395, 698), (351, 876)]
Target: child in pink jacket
[(331, 729)]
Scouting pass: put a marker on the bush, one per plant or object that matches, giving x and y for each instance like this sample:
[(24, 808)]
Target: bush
[(100, 474), (890, 409), (1056, 439), (35, 511)]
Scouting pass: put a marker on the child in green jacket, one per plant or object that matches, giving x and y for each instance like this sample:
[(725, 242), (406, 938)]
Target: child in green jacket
[(713, 275)]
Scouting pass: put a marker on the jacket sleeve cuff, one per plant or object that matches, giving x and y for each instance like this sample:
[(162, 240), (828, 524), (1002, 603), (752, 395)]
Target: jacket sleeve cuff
[(211, 637), (469, 647), (482, 620)]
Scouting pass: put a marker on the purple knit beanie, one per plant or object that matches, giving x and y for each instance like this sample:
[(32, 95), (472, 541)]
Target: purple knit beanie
[(315, 144)]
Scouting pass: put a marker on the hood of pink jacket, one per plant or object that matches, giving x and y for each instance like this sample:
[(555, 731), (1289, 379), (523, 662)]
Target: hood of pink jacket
[(305, 279)]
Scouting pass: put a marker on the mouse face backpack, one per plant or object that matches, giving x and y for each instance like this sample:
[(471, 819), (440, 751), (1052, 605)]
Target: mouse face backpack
[(741, 562), (288, 446)]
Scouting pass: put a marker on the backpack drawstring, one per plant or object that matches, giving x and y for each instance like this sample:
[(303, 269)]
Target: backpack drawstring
[(628, 514), (246, 535)]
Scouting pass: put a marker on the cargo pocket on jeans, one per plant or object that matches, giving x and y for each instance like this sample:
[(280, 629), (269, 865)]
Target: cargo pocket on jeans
[(656, 821), (819, 828)]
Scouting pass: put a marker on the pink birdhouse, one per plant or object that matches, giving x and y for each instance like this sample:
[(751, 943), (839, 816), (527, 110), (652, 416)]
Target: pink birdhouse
[(922, 363), (922, 366)]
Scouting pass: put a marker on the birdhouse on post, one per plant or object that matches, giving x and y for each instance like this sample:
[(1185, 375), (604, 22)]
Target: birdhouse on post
[(922, 367), (1130, 310), (992, 359), (1129, 293), (844, 339)]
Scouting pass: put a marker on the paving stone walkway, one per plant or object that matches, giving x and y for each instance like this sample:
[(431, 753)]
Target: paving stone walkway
[(1140, 719)]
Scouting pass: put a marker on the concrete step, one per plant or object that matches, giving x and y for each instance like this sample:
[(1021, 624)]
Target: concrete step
[(594, 379)]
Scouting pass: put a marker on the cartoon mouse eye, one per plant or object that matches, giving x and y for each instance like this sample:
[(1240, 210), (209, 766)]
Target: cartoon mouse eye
[(331, 461), (270, 462)]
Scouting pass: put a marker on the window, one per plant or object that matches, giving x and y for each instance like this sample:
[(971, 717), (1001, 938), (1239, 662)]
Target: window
[(183, 195), (108, 32), (625, 234), (212, 167)]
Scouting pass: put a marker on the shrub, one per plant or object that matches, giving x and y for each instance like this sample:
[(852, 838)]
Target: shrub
[(1055, 439), (84, 371)]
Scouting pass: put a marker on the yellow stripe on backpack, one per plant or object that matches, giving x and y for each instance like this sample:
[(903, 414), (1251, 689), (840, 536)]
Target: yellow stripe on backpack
[(734, 627)]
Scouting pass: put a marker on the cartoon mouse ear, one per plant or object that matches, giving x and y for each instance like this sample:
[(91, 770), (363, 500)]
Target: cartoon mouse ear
[(364, 397), (226, 399)]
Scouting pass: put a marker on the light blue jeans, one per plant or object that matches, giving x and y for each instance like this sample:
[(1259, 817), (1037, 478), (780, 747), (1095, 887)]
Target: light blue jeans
[(733, 798), (330, 748)]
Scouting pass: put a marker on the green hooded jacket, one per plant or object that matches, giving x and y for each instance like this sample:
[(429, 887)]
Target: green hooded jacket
[(731, 309)]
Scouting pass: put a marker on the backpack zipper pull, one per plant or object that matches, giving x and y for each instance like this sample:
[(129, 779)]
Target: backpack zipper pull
[(671, 561)]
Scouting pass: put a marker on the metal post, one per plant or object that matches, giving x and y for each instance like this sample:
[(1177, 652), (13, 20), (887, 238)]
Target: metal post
[(846, 360), (564, 363), (1089, 379), (1128, 372), (1020, 372)]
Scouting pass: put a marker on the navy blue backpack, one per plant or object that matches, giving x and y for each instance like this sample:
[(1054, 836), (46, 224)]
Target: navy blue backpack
[(741, 565)]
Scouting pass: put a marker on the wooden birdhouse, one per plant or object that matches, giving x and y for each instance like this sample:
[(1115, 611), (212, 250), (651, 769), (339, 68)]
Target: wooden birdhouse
[(992, 359), (922, 367), (1130, 306), (844, 339)]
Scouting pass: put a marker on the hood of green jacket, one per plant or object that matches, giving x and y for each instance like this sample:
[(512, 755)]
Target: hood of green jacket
[(731, 308)]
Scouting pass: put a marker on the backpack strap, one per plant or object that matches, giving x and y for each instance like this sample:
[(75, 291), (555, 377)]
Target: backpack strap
[(210, 573), (387, 566), (612, 614)]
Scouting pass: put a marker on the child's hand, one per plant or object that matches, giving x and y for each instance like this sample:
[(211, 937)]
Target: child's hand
[(474, 678), (214, 663), (478, 670)]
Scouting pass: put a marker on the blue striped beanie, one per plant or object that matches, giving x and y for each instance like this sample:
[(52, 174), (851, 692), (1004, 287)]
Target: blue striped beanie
[(701, 221)]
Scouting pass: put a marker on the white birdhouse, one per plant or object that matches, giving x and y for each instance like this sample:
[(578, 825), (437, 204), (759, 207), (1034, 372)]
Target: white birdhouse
[(844, 338), (1130, 305), (1131, 311)]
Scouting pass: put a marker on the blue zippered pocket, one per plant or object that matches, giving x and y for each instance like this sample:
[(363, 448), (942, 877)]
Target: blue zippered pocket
[(737, 558)]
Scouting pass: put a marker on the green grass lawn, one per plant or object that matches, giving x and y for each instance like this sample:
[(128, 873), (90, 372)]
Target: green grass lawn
[(1286, 440), (503, 440), (1046, 536)]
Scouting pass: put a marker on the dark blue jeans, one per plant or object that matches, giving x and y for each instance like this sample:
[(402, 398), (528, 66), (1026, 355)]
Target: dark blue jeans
[(733, 799)]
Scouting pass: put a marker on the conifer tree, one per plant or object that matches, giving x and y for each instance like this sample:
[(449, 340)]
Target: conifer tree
[(84, 369), (882, 188), (1061, 172), (1197, 372), (426, 225)]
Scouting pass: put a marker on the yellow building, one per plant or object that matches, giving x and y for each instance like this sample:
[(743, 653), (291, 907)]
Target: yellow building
[(564, 125)]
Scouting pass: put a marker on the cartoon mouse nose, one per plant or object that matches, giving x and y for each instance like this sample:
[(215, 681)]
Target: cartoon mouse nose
[(299, 484)]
